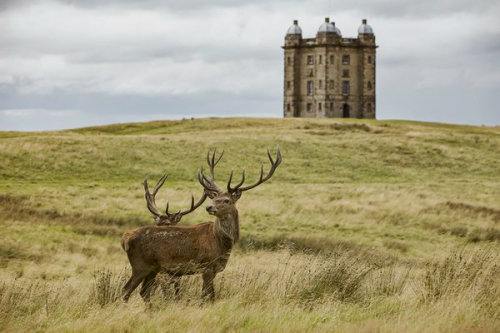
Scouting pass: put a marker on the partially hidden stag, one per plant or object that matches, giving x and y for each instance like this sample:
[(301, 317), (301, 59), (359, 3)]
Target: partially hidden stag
[(204, 248), (167, 218)]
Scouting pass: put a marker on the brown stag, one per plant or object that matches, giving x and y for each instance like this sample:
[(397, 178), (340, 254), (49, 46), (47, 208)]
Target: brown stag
[(183, 250)]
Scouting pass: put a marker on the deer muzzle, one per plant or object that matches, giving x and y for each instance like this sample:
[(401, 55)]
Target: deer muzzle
[(211, 210)]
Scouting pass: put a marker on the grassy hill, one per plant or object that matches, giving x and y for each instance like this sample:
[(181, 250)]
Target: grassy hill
[(366, 225)]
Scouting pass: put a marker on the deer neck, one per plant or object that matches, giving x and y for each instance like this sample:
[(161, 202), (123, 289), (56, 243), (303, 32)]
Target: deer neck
[(227, 230)]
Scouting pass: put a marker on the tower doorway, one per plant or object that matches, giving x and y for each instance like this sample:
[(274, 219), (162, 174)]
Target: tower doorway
[(345, 110)]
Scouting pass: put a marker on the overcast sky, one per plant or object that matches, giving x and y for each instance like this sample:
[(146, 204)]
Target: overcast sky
[(73, 63)]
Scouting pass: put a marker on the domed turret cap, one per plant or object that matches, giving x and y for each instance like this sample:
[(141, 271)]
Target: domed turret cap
[(294, 29), (364, 28), (337, 30), (327, 26)]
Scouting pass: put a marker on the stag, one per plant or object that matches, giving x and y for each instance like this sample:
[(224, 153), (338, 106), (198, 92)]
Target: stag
[(168, 219), (184, 250)]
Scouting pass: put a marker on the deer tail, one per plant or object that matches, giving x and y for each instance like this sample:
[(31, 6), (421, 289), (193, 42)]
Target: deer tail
[(127, 239)]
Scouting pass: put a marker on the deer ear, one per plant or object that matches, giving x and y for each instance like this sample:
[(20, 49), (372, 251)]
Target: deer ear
[(236, 195)]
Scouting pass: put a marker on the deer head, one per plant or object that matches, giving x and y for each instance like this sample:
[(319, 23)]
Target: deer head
[(223, 201), (167, 218)]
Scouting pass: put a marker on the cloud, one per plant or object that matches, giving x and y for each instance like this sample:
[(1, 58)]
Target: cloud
[(24, 113), (140, 59)]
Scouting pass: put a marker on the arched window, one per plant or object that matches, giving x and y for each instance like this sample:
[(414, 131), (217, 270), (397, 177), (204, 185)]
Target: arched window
[(345, 110), (319, 106), (288, 107), (369, 108), (369, 85), (369, 59)]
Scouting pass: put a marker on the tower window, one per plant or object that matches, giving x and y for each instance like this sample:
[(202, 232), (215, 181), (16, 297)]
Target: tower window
[(331, 84), (331, 106), (310, 60), (288, 107), (345, 73), (289, 61), (319, 106), (320, 84), (309, 106), (346, 59), (288, 84), (369, 59), (331, 59), (310, 87), (345, 87), (369, 85), (320, 59), (369, 108)]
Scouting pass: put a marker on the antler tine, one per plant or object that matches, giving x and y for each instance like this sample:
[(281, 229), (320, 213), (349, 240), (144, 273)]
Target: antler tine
[(159, 184), (150, 198), (232, 190), (212, 162), (193, 205), (209, 183), (262, 179)]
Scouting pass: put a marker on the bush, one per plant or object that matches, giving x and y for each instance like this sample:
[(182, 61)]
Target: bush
[(107, 287), (467, 273), (340, 278)]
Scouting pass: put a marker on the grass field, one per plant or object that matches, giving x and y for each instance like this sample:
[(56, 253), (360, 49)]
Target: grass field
[(366, 226)]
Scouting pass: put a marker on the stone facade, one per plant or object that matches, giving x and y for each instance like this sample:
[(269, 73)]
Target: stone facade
[(329, 76)]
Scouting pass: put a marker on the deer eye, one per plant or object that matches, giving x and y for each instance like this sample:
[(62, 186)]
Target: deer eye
[(226, 201)]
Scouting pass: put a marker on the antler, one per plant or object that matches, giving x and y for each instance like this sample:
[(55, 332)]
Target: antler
[(167, 218), (274, 165), (185, 212), (150, 198), (209, 184)]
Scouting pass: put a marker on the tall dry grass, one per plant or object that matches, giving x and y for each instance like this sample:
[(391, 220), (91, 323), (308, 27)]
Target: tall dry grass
[(283, 281)]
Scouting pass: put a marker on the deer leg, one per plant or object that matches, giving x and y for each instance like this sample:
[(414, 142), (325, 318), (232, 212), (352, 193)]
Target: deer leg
[(165, 288), (177, 287), (208, 291), (148, 286), (132, 283)]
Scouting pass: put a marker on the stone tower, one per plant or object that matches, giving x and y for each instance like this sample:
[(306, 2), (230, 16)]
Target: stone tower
[(329, 76)]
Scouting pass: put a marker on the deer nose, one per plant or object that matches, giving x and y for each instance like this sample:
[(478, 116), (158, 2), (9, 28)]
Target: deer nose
[(209, 208)]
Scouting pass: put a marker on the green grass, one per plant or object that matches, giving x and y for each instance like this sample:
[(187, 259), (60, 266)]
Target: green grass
[(366, 225)]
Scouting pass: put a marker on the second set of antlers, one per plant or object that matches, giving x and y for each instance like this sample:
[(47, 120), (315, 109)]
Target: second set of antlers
[(210, 188)]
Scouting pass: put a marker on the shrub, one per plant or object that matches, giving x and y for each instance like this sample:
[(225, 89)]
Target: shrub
[(107, 287), (340, 278), (467, 273)]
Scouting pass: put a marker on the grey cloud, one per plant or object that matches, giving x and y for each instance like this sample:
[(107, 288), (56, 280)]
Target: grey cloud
[(75, 63), (76, 110), (381, 8)]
